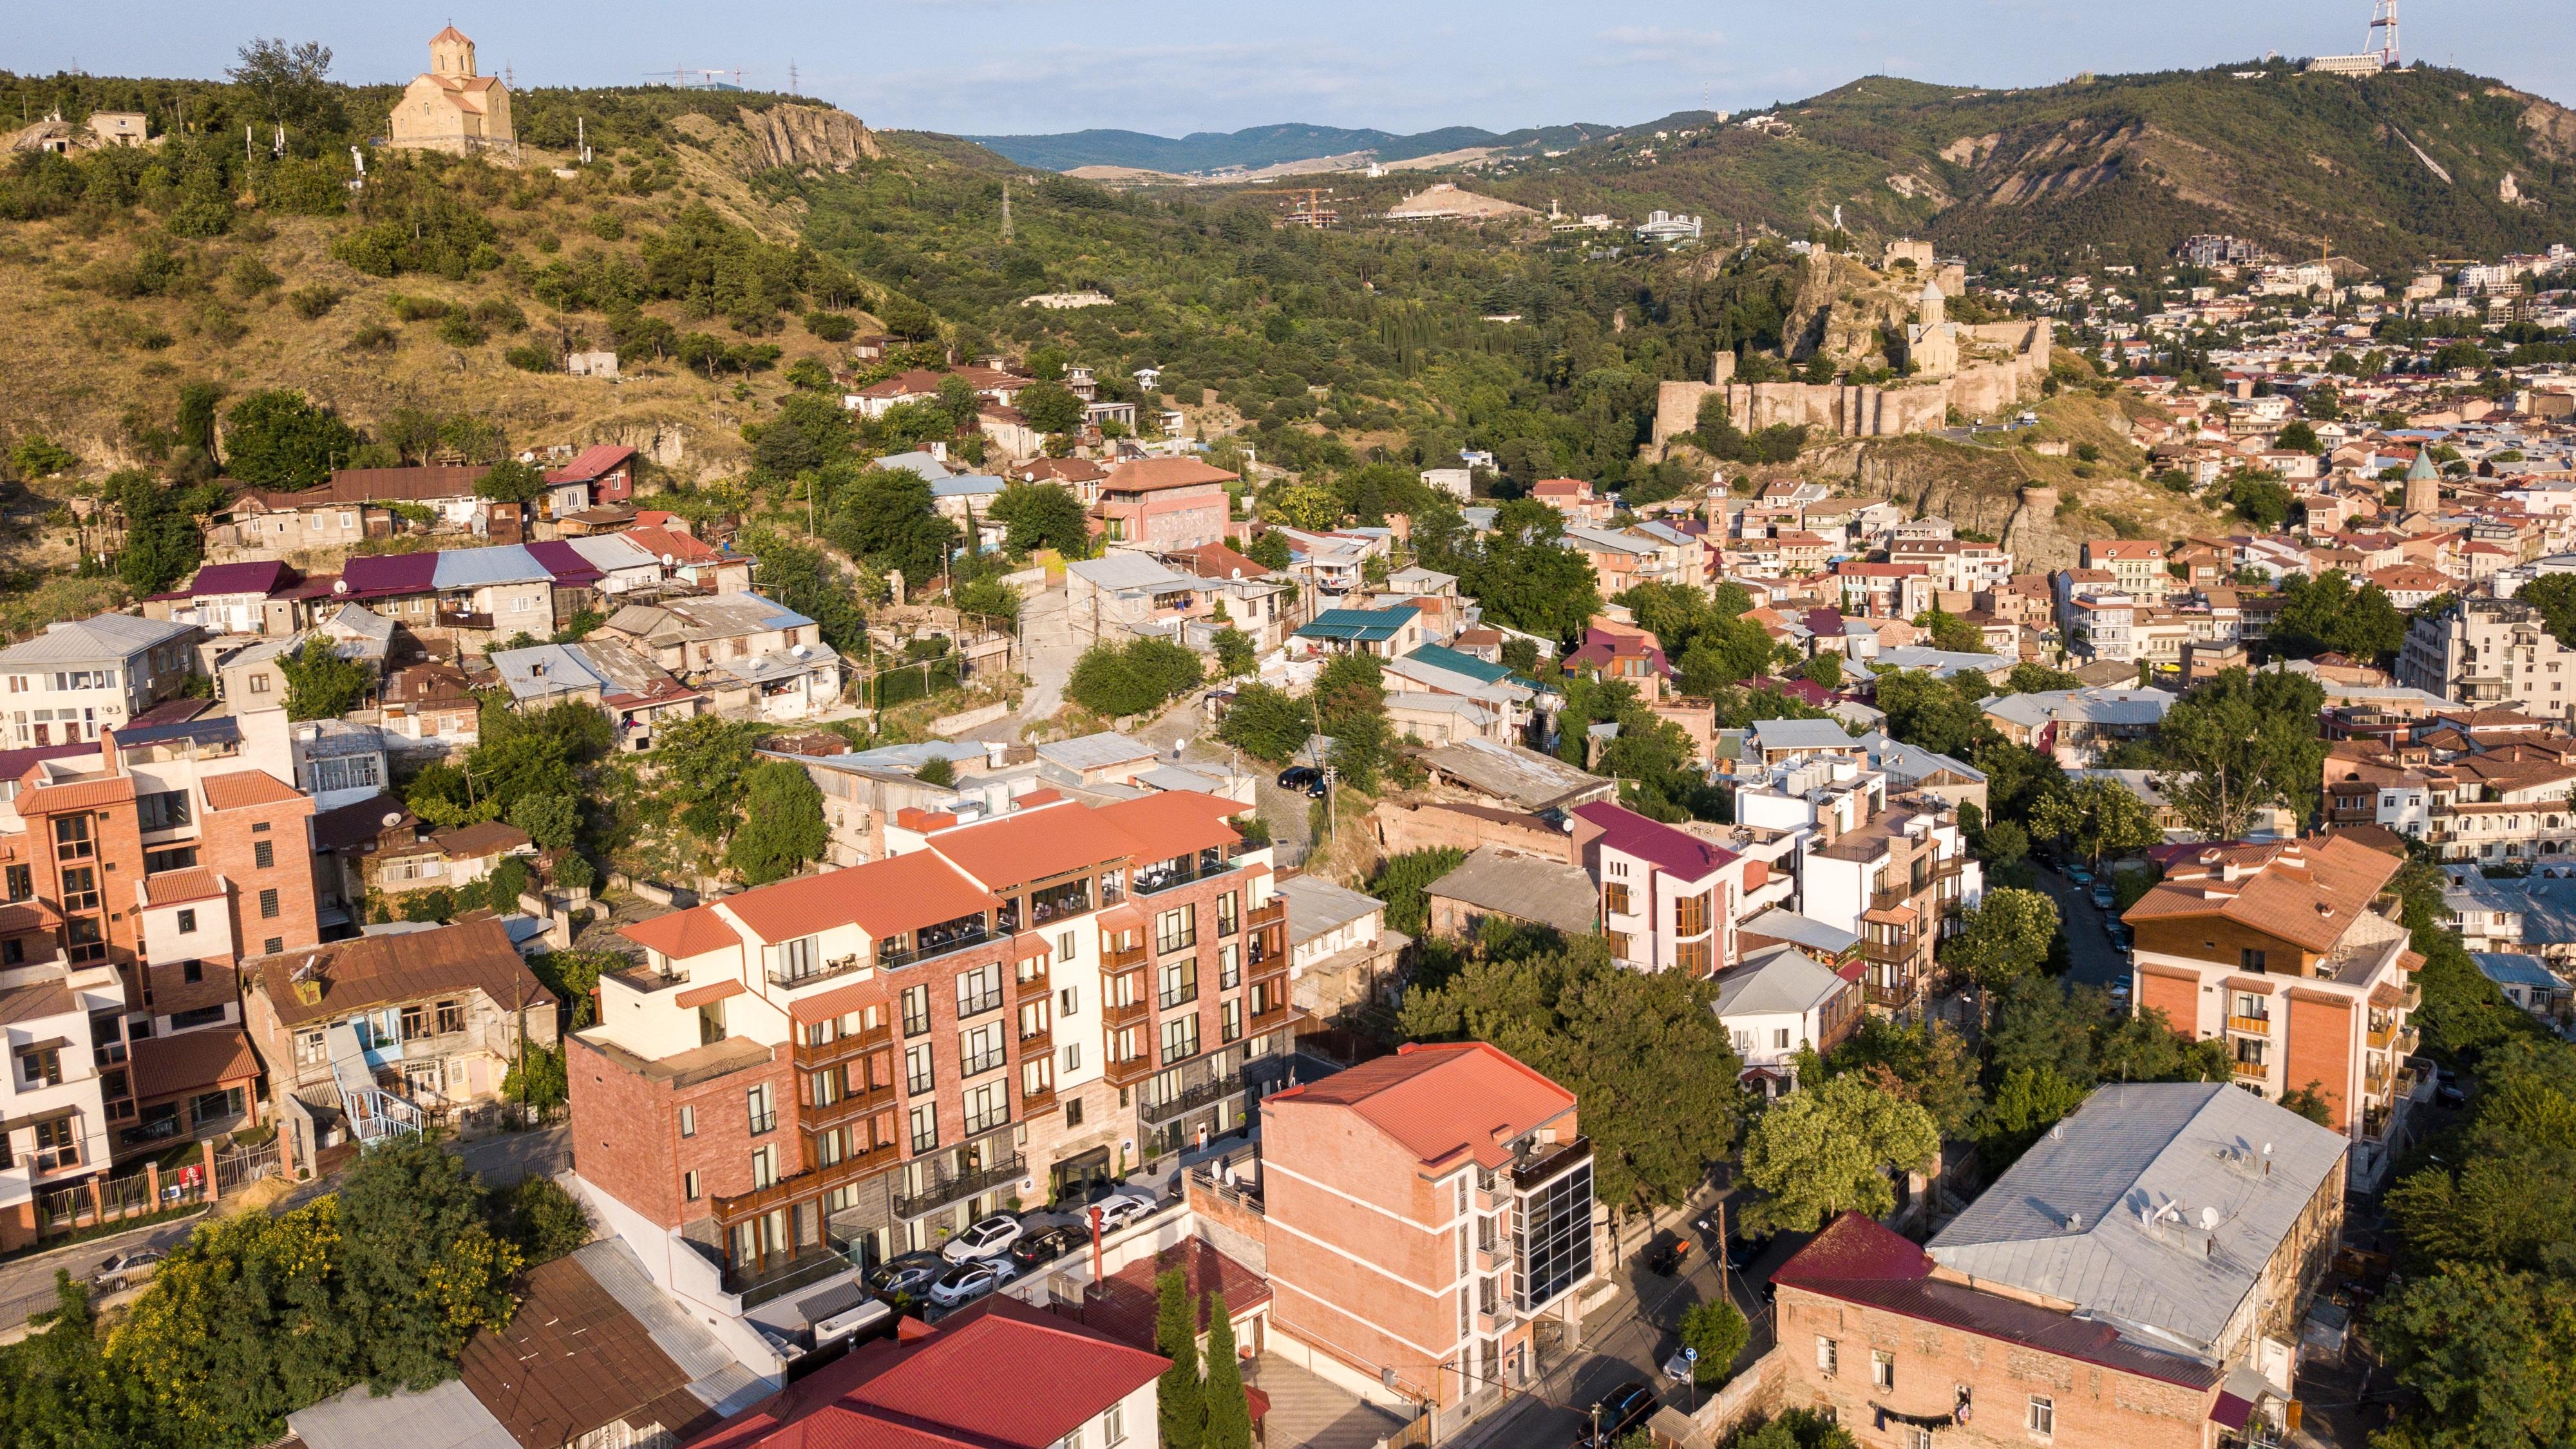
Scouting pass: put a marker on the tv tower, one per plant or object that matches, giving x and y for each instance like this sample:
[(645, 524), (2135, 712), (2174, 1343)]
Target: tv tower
[(2383, 33)]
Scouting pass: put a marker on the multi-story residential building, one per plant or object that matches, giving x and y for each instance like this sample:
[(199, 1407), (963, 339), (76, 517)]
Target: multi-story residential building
[(869, 1059), (1884, 590), (1781, 1002), (1342, 956), (750, 656), (2138, 1278), (1128, 594), (1669, 900), (2488, 652), (2102, 626), (236, 598), (65, 1037), (2074, 726), (2291, 953), (80, 677), (1423, 1211), (386, 1034), (166, 857), (1898, 880), (1955, 565), (1574, 498), (1163, 503), (2136, 566)]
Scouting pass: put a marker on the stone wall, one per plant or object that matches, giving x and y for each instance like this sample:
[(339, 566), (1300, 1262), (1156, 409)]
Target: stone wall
[(1838, 410)]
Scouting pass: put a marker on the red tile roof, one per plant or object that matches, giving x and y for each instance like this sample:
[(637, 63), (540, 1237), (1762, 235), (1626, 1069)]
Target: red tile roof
[(1855, 1260), (682, 934), (1173, 822), (940, 1388), (671, 544), (1148, 475), (177, 887), (1034, 844), (244, 788), (78, 795), (595, 462), (192, 1061), (1438, 1101), (883, 898), (1124, 1306)]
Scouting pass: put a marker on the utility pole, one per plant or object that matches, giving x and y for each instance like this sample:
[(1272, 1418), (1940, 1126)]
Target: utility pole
[(1006, 209)]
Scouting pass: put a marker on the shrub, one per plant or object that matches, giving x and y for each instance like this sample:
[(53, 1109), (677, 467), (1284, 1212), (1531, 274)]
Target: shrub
[(417, 309), (831, 326), (607, 226), (374, 337), (313, 302), (37, 456), (529, 357), (1114, 681), (457, 329), (501, 312), (250, 276), (537, 1214), (220, 325)]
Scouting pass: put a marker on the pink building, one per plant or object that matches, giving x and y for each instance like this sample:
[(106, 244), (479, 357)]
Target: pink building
[(1669, 900), (1163, 503), (1574, 498)]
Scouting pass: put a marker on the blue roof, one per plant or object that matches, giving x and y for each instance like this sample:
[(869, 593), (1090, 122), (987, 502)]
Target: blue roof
[(508, 563), (2508, 968), (222, 729), (1440, 656), (1365, 625)]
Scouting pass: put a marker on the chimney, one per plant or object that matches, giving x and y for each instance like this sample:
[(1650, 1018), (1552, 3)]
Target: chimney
[(108, 757)]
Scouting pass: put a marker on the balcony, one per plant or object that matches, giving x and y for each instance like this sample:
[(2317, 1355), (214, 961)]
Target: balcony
[(1890, 998), (1180, 871), (1034, 1043), (855, 1105), (1270, 915), (1889, 898), (2250, 1025), (797, 1187), (1128, 1071), (780, 1276), (1192, 1099), (941, 944), (833, 1053), (1126, 1013), (1271, 1017), (1546, 1163), (1132, 957), (790, 978), (961, 1187), (1892, 953), (1033, 985), (2252, 1071), (1041, 1100)]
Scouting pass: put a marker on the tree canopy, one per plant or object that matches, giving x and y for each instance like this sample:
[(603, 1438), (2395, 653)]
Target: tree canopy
[(1829, 1149)]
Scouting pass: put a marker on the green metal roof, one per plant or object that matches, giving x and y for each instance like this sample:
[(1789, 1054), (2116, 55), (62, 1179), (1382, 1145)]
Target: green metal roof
[(1364, 625)]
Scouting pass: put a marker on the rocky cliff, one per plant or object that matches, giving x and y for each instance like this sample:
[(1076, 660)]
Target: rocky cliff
[(810, 138)]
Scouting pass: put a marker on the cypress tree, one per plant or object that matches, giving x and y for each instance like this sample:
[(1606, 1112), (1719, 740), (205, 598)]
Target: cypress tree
[(1179, 1399), (1229, 1413)]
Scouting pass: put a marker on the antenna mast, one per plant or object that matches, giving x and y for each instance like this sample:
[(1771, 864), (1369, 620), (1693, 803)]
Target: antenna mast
[(2383, 33)]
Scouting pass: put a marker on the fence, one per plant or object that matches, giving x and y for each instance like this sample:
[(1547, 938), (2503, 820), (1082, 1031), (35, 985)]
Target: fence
[(243, 1166), (141, 1194)]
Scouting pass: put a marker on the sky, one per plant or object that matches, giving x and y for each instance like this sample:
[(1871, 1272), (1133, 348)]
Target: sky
[(986, 67)]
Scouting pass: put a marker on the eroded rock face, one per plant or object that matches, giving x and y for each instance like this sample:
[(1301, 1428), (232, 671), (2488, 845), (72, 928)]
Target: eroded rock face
[(822, 137)]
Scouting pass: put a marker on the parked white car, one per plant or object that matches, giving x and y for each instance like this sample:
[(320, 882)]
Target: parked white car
[(969, 1281), (990, 1238), (1121, 1208)]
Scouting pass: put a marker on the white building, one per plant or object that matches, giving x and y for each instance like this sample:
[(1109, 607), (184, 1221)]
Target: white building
[(77, 678), (1780, 1002)]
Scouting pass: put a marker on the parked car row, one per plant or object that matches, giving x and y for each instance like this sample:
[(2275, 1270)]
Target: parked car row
[(992, 1251)]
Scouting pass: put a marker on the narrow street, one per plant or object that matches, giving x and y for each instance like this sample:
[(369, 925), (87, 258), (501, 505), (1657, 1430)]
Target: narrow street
[(2096, 961)]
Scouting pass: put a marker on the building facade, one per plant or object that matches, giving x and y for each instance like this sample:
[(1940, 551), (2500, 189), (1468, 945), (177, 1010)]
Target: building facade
[(2490, 653)]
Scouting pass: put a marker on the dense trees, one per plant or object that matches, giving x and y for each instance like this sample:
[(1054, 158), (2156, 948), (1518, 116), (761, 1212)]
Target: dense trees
[(2239, 744), (279, 439), (319, 683), (1525, 576), (2097, 817), (1642, 1050), (782, 828), (1042, 515), (2326, 612), (1828, 1149), (1138, 677)]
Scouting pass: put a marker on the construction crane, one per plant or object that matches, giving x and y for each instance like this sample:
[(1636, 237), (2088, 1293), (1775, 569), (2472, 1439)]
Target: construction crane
[(1314, 210), (709, 78)]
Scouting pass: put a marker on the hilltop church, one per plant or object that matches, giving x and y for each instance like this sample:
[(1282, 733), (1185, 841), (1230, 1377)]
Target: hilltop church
[(450, 108)]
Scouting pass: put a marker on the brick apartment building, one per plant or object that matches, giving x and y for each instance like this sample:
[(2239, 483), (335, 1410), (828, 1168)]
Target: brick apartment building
[(162, 854), (998, 1011), (2292, 953), (1160, 504), (2136, 1281), (1422, 1212), (1899, 881)]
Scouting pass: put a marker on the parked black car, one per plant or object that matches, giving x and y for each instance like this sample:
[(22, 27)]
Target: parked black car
[(910, 1274), (1303, 777), (1046, 1246), (1743, 1253), (1620, 1410)]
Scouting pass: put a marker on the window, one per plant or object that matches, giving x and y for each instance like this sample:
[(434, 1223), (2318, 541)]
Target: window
[(218, 1106), (916, 1010), (188, 927), (764, 1168), (1615, 899), (415, 1022), (1230, 1018), (1072, 1440), (1917, 1437), (57, 1145), (274, 945), (979, 990), (2043, 1415), (1180, 982), (1180, 1038), (925, 1128), (979, 1050), (1780, 1039), (41, 1066), (917, 1074), (1228, 913), (263, 854), (1176, 929), (1690, 915), (2250, 959), (1072, 1058), (1829, 1357), (1882, 1369), (1113, 1426), (689, 1185), (987, 1106), (451, 1017), (311, 1048), (162, 810), (1073, 1111), (21, 881), (1068, 1002), (201, 1016), (268, 904), (761, 1103), (688, 1121), (1229, 966)]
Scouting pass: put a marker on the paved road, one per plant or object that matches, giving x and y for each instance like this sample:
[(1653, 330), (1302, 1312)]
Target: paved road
[(1630, 1337), (1047, 658), (2096, 961)]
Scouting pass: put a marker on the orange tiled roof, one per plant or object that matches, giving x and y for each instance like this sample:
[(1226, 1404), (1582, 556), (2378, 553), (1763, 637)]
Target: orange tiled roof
[(2304, 891), (244, 788), (682, 934), (883, 898), (179, 886)]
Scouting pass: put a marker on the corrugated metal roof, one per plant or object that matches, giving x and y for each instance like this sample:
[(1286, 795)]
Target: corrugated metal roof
[(610, 552), (508, 563), (446, 1417), (2069, 1219), (83, 641), (1782, 981)]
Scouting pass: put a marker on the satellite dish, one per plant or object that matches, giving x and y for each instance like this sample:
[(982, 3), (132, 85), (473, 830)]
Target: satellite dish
[(392, 819), (2209, 1220)]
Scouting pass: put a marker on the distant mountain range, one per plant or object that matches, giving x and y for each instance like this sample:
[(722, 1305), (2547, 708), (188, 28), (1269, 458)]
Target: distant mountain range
[(1257, 146)]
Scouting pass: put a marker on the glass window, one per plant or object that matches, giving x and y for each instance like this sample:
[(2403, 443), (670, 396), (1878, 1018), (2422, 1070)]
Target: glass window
[(1829, 1357), (916, 1010), (980, 1049), (979, 990), (2043, 1415), (1552, 1238), (688, 1121), (761, 1103), (1176, 929), (1882, 1369)]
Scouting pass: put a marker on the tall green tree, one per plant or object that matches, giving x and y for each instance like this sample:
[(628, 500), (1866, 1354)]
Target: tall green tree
[(2492, 1352), (698, 766), (1929, 1064), (2099, 817), (1180, 1399), (1643, 1049), (279, 439), (782, 828), (1829, 1150), (420, 1268), (320, 684), (1042, 515), (2003, 937), (1229, 1411), (2241, 744)]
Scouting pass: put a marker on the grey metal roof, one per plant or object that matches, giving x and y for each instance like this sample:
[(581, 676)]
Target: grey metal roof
[(545, 670), (715, 1378), (2101, 705), (1095, 751), (1509, 772), (84, 641), (446, 1417), (1815, 935), (1800, 734), (1941, 662), (507, 563), (1781, 981), (1904, 764), (1316, 906), (2070, 1219), (2504, 968), (608, 552), (928, 468), (1132, 573), (1524, 887)]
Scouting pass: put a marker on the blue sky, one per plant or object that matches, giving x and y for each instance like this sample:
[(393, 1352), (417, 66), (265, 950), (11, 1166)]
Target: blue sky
[(993, 66)]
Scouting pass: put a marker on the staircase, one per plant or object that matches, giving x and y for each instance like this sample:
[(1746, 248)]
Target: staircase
[(375, 1115)]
